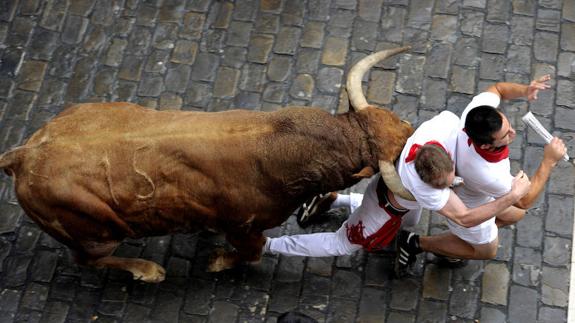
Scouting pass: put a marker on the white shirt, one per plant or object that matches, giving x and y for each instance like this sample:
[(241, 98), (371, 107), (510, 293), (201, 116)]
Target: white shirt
[(483, 180), (442, 128)]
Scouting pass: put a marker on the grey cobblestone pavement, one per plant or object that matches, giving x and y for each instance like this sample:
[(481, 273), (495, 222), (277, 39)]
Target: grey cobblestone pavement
[(263, 55)]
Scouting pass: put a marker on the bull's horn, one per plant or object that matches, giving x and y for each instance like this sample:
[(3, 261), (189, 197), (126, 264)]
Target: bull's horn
[(392, 180), (355, 75)]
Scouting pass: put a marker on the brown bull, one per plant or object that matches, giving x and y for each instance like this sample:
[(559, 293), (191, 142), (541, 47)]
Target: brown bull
[(99, 173)]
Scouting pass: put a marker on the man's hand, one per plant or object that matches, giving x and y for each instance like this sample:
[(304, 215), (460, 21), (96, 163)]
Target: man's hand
[(554, 151), (521, 185), (536, 85)]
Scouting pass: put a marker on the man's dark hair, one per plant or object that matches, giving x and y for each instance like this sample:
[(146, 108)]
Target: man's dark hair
[(432, 163), (481, 123), (295, 317)]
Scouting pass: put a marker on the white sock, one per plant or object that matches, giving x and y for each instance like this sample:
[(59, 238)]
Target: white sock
[(342, 200)]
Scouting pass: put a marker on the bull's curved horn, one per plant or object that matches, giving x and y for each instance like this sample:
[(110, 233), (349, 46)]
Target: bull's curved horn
[(355, 75), (392, 180)]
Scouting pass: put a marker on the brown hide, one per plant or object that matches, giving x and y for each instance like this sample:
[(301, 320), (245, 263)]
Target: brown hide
[(98, 173)]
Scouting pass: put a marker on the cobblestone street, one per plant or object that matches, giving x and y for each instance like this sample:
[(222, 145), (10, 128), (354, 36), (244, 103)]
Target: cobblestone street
[(206, 55)]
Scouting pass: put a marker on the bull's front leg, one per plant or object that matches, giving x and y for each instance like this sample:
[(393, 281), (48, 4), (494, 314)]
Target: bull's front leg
[(248, 247)]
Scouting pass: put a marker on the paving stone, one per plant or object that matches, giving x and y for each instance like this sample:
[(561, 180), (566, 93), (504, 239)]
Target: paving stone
[(43, 266), (245, 10), (551, 4), (447, 7), (559, 218), (505, 246), (319, 285), (558, 182), (267, 23), (165, 36), (31, 75), (341, 24), (62, 64), (430, 312), (199, 95), (443, 28), (205, 67), (435, 281), (370, 10), (342, 310), (313, 34), (492, 67), (226, 82), (177, 78), (104, 82), (522, 304), (319, 9), (346, 284), (287, 40), (545, 46), (498, 11), (74, 29), (475, 3), (146, 16), (123, 27), (43, 44), (279, 68), (548, 20), (16, 270), (335, 51), (21, 106), (193, 25), (494, 38), (292, 13), (462, 80), (198, 5), (115, 52), (136, 313), (518, 59), (125, 91), (404, 294), (492, 315), (95, 41), (392, 22), (400, 317), (284, 297), (329, 80), (53, 15), (380, 87), (35, 297), (27, 239), (410, 75), (167, 307), (252, 78), (224, 15), (524, 7), (364, 36), (11, 62), (260, 48), (151, 86), (568, 12), (370, 306), (495, 284), (565, 96), (433, 94), (290, 269), (418, 39), (302, 87), (437, 62), (139, 41), (568, 36), (419, 16), (463, 301), (566, 65), (234, 57), (554, 290), (527, 266), (556, 251), (9, 300), (224, 312), (522, 30), (170, 101), (549, 314), (275, 92), (466, 52), (343, 4), (314, 306), (104, 12), (239, 34)]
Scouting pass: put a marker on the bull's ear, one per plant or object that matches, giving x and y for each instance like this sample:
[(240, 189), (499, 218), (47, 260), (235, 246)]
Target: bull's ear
[(365, 172)]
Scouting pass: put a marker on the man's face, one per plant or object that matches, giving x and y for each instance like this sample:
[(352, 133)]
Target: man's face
[(505, 135)]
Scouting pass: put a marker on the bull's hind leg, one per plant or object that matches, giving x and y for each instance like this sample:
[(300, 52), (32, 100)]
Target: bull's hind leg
[(248, 249), (98, 255)]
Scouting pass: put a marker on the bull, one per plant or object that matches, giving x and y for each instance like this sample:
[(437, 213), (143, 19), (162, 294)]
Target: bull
[(101, 172)]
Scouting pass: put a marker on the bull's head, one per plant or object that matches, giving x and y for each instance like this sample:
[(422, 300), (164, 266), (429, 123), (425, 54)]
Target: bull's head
[(359, 102)]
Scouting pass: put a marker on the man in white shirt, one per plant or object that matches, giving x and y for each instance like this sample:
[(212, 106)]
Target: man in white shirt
[(426, 169), (483, 163)]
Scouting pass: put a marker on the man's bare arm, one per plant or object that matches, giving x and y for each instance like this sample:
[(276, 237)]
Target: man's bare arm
[(460, 214), (510, 91)]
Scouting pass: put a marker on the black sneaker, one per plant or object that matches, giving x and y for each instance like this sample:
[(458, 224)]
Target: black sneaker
[(449, 262), (407, 248), (309, 211)]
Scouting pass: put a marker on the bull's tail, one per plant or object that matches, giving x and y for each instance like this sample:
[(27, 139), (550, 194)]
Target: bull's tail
[(10, 159)]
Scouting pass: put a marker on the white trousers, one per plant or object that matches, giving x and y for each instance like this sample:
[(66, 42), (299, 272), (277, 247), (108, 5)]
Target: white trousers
[(326, 244)]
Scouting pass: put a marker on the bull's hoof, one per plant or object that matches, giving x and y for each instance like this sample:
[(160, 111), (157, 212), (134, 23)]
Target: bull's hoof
[(220, 260), (151, 272)]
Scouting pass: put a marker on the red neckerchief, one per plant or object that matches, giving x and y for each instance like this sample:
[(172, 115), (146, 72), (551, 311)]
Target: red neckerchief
[(415, 147), (495, 156)]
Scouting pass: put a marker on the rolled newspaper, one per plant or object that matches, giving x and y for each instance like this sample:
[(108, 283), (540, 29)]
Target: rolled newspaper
[(534, 124)]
